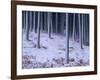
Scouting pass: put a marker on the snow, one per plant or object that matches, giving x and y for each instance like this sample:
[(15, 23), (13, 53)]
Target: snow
[(52, 52)]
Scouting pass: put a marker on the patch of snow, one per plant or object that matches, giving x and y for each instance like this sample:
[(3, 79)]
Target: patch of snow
[(52, 52)]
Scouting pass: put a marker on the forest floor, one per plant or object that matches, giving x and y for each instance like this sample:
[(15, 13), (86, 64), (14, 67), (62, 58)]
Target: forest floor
[(52, 52)]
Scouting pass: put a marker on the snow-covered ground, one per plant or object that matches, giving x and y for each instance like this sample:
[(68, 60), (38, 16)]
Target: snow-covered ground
[(52, 52)]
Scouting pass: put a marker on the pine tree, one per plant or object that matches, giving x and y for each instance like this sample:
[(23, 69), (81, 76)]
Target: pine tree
[(73, 27), (27, 25), (41, 21), (56, 22), (45, 22), (34, 22), (80, 31), (62, 24), (49, 26), (38, 25), (23, 20), (67, 40), (30, 20)]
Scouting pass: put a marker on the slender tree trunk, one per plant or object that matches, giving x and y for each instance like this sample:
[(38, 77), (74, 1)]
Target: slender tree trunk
[(34, 27), (56, 22), (30, 15), (23, 21), (49, 26), (26, 21), (74, 27), (87, 30), (62, 24), (41, 21), (67, 40), (38, 25), (45, 19), (80, 33), (27, 26), (82, 28)]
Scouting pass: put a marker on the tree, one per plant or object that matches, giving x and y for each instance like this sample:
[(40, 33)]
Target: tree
[(73, 27), (56, 22), (23, 20), (34, 22), (62, 19), (41, 19), (67, 39), (51, 23), (49, 26), (84, 28), (38, 25), (30, 17), (80, 31), (27, 25), (45, 22), (87, 29)]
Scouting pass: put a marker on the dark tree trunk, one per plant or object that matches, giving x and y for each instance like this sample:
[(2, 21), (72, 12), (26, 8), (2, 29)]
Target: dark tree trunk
[(34, 21), (67, 40), (56, 22), (74, 27), (38, 25), (49, 26), (27, 26), (80, 31)]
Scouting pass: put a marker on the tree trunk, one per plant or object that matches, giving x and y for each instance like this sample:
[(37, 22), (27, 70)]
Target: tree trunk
[(27, 25), (82, 28), (38, 25), (56, 22), (23, 21), (30, 21), (74, 27), (41, 21), (34, 23), (45, 19), (49, 26), (87, 30), (80, 32), (62, 24), (67, 40)]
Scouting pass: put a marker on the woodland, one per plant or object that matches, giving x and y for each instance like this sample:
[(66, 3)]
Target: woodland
[(54, 39)]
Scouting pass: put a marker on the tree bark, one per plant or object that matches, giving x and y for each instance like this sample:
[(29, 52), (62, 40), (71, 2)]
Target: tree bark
[(49, 26), (27, 25), (30, 17), (80, 31), (38, 25), (67, 40), (74, 27), (34, 23), (56, 22)]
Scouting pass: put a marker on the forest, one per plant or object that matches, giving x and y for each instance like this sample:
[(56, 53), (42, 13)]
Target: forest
[(54, 39)]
